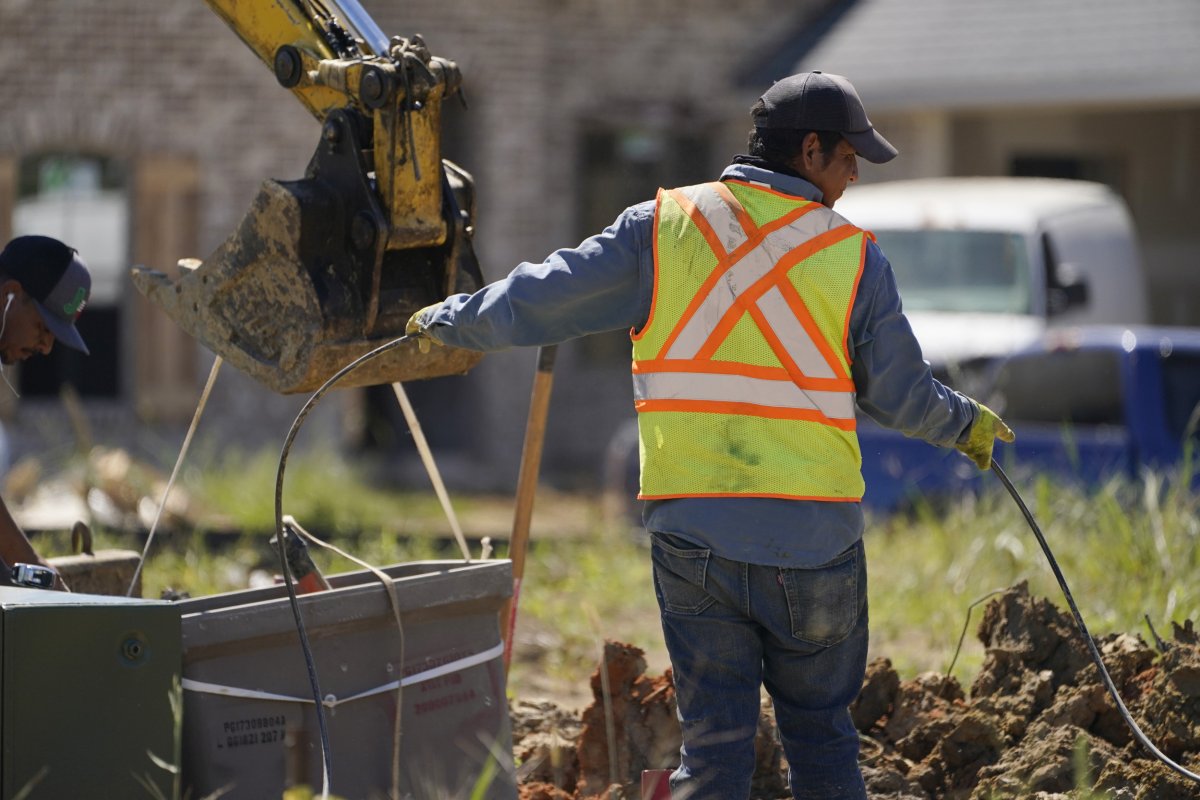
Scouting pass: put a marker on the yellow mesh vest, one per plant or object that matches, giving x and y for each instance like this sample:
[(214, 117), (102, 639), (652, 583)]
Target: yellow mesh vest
[(693, 445)]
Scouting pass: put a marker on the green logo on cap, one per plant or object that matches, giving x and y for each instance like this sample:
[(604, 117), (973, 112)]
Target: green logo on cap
[(73, 305)]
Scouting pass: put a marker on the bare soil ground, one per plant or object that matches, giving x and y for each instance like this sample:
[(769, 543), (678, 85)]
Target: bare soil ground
[(1037, 722)]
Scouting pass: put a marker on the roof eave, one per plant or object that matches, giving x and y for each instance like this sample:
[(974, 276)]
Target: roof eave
[(889, 98)]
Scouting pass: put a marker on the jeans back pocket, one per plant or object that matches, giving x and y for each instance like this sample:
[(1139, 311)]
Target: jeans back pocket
[(679, 573), (824, 602)]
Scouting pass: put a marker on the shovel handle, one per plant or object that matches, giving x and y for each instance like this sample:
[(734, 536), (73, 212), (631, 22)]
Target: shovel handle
[(531, 461)]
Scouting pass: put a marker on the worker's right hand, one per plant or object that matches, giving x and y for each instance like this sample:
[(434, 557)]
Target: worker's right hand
[(418, 327), (59, 584), (982, 436)]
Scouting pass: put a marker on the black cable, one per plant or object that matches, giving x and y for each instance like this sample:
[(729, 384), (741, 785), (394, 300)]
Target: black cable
[(1087, 637), (288, 580)]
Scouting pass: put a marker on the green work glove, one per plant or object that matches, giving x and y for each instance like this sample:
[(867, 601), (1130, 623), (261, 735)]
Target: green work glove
[(418, 327), (984, 432)]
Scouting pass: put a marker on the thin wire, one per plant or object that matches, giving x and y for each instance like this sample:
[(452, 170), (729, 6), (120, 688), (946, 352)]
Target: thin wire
[(439, 488), (288, 580), (187, 442), (962, 636), (1087, 637)]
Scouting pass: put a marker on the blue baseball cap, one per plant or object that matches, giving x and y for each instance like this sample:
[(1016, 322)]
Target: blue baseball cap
[(54, 275), (822, 101)]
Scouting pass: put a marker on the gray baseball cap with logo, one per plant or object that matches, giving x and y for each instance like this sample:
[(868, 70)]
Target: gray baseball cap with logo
[(822, 101), (54, 275)]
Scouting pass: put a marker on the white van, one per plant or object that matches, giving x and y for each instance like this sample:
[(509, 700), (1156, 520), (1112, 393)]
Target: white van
[(985, 265)]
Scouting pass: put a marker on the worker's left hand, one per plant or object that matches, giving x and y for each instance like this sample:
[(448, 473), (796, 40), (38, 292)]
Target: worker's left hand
[(985, 430), (418, 327)]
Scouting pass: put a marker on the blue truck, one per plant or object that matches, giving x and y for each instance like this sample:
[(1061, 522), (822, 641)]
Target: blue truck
[(1087, 403)]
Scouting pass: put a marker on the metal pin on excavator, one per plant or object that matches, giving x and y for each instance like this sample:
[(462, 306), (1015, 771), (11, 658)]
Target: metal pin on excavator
[(322, 269)]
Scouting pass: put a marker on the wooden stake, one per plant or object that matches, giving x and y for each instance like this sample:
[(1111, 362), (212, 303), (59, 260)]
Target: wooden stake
[(531, 460)]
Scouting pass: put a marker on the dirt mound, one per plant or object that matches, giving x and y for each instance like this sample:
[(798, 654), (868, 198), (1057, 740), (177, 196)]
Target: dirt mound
[(1038, 722), (1038, 718)]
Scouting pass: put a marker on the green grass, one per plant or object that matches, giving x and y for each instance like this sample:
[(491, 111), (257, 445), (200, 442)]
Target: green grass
[(324, 493), (1127, 551), (576, 594)]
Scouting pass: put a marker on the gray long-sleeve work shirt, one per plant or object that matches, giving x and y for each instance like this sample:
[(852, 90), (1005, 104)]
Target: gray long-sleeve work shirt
[(607, 282)]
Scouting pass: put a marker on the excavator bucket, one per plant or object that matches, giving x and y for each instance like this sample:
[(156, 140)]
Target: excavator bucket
[(306, 283)]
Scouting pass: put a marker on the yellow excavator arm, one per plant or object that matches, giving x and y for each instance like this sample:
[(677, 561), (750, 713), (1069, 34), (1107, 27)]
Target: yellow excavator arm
[(322, 269), (286, 35)]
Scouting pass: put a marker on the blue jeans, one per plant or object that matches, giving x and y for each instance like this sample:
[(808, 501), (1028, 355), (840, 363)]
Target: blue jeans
[(731, 628)]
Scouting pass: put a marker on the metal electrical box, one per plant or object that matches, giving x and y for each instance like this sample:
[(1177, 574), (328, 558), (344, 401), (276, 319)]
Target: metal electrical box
[(85, 686), (250, 726)]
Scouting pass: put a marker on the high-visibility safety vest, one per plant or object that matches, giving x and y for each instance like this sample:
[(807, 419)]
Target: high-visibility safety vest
[(741, 373)]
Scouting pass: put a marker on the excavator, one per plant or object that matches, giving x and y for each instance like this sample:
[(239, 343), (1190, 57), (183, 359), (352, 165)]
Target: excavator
[(323, 269)]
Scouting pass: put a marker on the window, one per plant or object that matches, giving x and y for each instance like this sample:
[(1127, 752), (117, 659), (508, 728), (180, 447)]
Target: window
[(83, 201), (947, 270), (621, 166)]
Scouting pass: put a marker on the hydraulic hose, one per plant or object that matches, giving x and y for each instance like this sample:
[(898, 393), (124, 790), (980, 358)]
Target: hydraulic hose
[(1087, 637), (288, 579)]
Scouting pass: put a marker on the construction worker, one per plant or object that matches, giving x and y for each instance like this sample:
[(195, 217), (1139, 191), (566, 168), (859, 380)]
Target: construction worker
[(759, 319), (44, 286)]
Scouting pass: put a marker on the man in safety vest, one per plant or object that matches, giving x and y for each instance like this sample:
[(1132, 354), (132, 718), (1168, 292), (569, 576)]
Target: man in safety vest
[(760, 319)]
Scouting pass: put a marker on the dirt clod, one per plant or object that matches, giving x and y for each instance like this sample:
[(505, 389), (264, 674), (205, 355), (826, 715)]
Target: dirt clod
[(1037, 723), (634, 713)]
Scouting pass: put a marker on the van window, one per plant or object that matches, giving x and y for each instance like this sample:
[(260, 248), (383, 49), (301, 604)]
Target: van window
[(1081, 387), (940, 270)]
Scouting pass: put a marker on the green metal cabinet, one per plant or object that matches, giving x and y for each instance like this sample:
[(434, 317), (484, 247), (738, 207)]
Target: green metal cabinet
[(85, 684)]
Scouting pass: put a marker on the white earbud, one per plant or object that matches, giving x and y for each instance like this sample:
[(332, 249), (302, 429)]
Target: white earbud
[(3, 326)]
